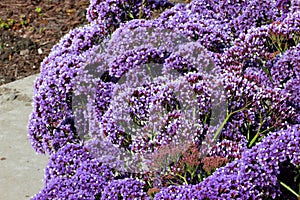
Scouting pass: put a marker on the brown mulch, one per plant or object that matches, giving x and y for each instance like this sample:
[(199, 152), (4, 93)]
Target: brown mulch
[(30, 28)]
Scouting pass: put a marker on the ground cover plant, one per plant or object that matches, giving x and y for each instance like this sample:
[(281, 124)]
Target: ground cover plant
[(198, 102)]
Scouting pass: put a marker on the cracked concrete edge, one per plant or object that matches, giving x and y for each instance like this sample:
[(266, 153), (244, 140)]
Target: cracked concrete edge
[(23, 87), (22, 169)]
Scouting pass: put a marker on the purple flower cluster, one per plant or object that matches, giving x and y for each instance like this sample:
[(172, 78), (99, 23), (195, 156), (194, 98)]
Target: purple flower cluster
[(230, 149), (53, 89), (114, 12), (199, 103), (55, 86), (143, 116), (72, 173), (127, 188), (254, 176)]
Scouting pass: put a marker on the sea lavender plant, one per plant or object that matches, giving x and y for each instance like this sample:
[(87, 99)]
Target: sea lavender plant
[(254, 51)]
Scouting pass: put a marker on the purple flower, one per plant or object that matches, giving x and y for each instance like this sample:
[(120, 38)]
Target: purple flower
[(127, 188), (251, 177), (68, 172), (121, 100)]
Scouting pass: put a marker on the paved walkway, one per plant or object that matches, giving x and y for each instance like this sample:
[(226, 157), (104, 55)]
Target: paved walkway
[(21, 169)]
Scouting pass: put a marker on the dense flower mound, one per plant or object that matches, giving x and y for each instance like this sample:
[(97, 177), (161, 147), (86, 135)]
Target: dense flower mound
[(201, 102)]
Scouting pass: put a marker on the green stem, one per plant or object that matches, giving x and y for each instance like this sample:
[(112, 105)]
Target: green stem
[(172, 183), (141, 10), (258, 131), (254, 139), (149, 69), (183, 178), (289, 189), (257, 134), (193, 173), (226, 120), (266, 70), (200, 178), (205, 119), (248, 133)]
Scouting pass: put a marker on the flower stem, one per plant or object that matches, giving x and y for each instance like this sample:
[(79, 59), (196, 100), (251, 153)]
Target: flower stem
[(226, 120), (289, 189)]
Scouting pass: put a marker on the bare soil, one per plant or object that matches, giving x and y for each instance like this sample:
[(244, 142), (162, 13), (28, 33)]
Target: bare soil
[(30, 28)]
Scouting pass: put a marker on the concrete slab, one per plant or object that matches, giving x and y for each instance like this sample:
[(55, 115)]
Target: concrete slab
[(21, 169)]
